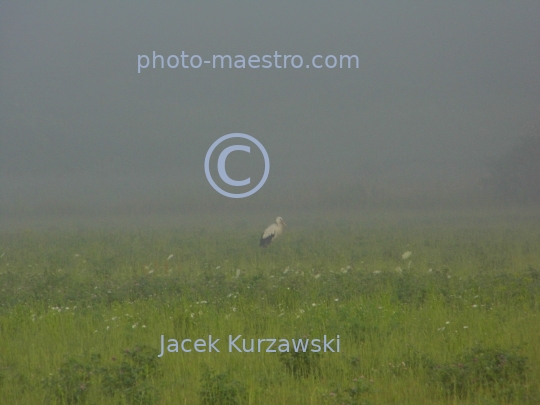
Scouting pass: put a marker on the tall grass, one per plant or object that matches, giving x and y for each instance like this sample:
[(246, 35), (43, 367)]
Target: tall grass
[(81, 315)]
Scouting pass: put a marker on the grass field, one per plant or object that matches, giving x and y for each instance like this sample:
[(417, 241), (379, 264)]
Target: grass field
[(427, 313)]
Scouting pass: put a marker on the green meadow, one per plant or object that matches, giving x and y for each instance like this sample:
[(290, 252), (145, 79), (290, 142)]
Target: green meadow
[(428, 312)]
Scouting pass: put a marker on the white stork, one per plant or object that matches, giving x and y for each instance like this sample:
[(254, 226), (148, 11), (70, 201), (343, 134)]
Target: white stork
[(272, 232)]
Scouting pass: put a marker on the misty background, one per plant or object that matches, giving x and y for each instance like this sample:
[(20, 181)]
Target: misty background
[(442, 90)]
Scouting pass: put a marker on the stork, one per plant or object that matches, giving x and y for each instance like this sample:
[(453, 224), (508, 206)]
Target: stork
[(272, 232)]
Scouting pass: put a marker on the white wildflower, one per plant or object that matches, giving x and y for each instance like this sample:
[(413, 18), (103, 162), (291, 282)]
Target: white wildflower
[(406, 255), (170, 257)]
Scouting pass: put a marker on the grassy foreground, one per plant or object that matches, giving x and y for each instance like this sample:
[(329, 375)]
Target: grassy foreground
[(426, 315)]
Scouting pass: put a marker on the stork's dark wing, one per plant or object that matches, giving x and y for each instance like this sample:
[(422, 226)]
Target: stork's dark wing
[(266, 241)]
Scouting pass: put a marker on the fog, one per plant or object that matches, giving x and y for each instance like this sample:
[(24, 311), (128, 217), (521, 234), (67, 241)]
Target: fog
[(441, 89)]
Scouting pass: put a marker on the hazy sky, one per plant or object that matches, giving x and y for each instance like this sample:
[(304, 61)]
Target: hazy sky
[(441, 87)]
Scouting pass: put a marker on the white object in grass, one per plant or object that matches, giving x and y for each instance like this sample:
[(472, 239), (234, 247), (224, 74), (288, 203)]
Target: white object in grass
[(272, 232)]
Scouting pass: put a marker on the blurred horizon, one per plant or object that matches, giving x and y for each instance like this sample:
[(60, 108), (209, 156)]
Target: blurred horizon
[(441, 92)]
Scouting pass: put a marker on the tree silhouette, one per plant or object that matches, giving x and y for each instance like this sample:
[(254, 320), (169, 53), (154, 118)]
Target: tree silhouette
[(515, 176)]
